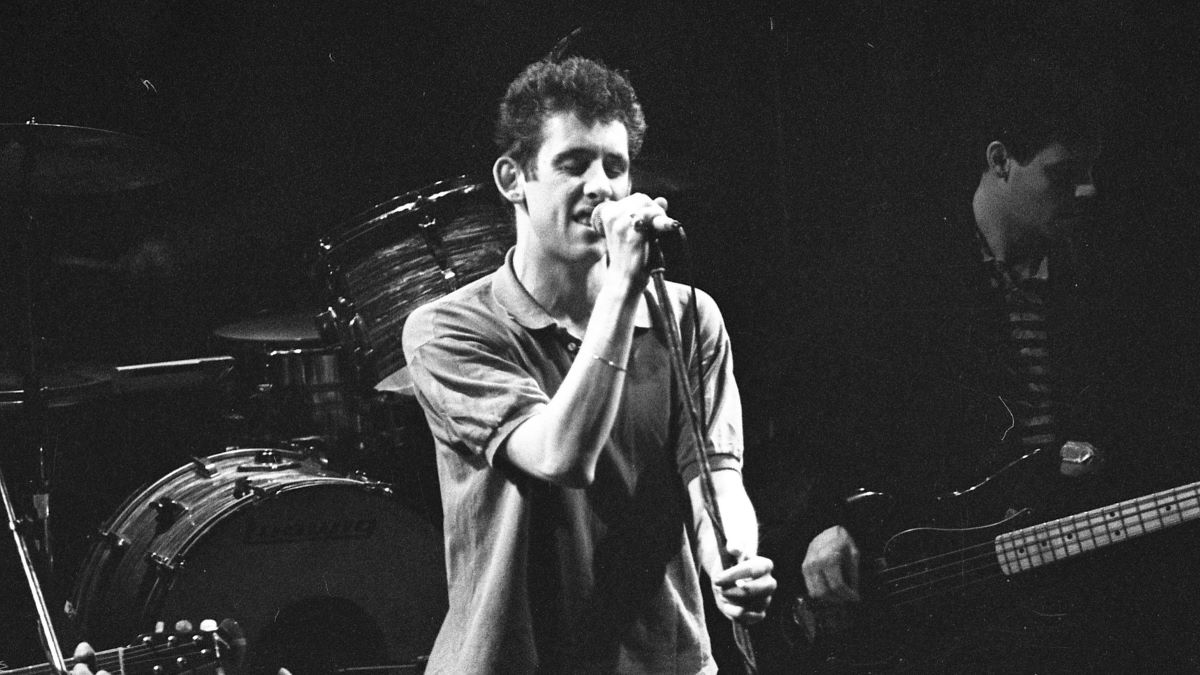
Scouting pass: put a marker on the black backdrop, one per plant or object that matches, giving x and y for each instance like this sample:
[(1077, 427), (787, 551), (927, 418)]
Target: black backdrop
[(780, 133)]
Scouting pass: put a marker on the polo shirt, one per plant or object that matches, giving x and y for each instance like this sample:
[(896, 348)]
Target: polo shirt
[(548, 578)]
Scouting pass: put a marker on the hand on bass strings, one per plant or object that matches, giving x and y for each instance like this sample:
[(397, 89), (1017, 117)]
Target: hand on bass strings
[(85, 661), (830, 567)]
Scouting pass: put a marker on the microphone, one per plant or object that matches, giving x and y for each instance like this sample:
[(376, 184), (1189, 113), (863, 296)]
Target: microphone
[(655, 227)]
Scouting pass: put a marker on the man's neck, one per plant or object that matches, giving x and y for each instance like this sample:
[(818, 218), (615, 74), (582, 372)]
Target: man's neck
[(567, 292), (1005, 239)]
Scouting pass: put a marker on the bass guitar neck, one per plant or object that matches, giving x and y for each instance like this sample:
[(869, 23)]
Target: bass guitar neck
[(1031, 547)]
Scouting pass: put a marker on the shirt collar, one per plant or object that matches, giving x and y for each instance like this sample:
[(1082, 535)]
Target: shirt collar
[(510, 294)]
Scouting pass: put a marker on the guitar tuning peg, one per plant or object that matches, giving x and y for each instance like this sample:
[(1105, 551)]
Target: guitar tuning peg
[(208, 626), (183, 626), (159, 627)]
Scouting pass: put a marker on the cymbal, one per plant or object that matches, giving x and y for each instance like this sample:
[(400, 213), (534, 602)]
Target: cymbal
[(66, 160), (295, 329)]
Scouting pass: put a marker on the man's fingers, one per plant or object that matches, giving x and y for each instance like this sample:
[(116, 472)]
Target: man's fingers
[(744, 590), (750, 568), (838, 585), (814, 581), (84, 652), (85, 659), (852, 570)]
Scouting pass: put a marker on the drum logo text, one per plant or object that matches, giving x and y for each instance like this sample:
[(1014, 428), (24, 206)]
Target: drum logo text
[(316, 529)]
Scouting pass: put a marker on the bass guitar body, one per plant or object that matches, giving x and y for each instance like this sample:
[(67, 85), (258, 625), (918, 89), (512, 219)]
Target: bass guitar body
[(943, 594), (920, 584)]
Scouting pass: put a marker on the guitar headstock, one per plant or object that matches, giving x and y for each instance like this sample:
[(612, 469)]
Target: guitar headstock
[(183, 650), (179, 651)]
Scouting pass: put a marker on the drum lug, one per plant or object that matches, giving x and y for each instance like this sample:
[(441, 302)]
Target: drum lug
[(164, 564), (168, 512), (433, 242), (329, 324), (305, 448), (381, 488), (242, 487), (203, 468), (270, 460), (114, 540), (371, 485)]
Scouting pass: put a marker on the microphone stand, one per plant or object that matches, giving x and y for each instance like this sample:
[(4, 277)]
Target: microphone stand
[(741, 635)]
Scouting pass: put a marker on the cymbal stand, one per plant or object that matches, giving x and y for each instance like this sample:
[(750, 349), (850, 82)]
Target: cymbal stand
[(34, 404), (46, 633), (34, 407)]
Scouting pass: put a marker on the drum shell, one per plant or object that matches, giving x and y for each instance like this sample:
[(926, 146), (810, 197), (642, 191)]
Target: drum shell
[(257, 542), (406, 252), (290, 392), (312, 368)]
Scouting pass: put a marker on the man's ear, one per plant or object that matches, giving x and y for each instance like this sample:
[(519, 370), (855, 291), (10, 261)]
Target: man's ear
[(997, 159), (510, 180)]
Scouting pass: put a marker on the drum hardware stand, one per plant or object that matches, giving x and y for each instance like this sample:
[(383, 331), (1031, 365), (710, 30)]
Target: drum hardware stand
[(46, 627), (741, 634), (34, 407), (428, 228), (56, 160)]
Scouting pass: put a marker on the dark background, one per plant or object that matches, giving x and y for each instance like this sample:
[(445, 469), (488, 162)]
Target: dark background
[(785, 137)]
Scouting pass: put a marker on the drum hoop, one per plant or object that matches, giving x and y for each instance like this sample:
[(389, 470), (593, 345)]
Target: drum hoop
[(179, 557), (346, 236), (129, 507), (316, 350)]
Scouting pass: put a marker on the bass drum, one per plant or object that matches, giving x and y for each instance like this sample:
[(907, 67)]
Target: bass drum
[(321, 571)]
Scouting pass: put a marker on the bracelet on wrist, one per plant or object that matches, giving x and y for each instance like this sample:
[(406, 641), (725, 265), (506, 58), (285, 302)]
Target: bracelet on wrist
[(613, 364)]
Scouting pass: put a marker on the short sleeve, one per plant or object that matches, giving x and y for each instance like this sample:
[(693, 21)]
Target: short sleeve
[(470, 383), (722, 402)]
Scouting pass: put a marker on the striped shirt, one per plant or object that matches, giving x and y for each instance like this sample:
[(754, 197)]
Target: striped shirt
[(1024, 344)]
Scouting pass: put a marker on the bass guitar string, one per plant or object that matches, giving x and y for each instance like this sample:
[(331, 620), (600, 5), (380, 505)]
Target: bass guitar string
[(1085, 532)]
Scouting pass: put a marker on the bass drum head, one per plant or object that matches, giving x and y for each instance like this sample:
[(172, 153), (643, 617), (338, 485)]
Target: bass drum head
[(321, 572)]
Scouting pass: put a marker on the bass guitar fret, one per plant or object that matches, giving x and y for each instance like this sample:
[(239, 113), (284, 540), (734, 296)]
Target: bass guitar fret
[(1038, 545)]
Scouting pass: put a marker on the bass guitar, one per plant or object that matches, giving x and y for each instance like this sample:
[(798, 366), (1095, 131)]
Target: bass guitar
[(919, 575)]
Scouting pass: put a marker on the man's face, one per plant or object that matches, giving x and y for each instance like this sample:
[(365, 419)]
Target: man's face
[(1047, 194), (577, 167)]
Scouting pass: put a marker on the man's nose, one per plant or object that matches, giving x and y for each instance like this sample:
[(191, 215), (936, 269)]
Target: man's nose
[(597, 183)]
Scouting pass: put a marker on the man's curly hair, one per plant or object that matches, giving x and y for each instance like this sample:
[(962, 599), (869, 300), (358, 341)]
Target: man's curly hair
[(1033, 97), (589, 89)]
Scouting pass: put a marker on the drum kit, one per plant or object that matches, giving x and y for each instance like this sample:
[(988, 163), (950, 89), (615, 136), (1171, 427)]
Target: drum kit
[(288, 529)]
